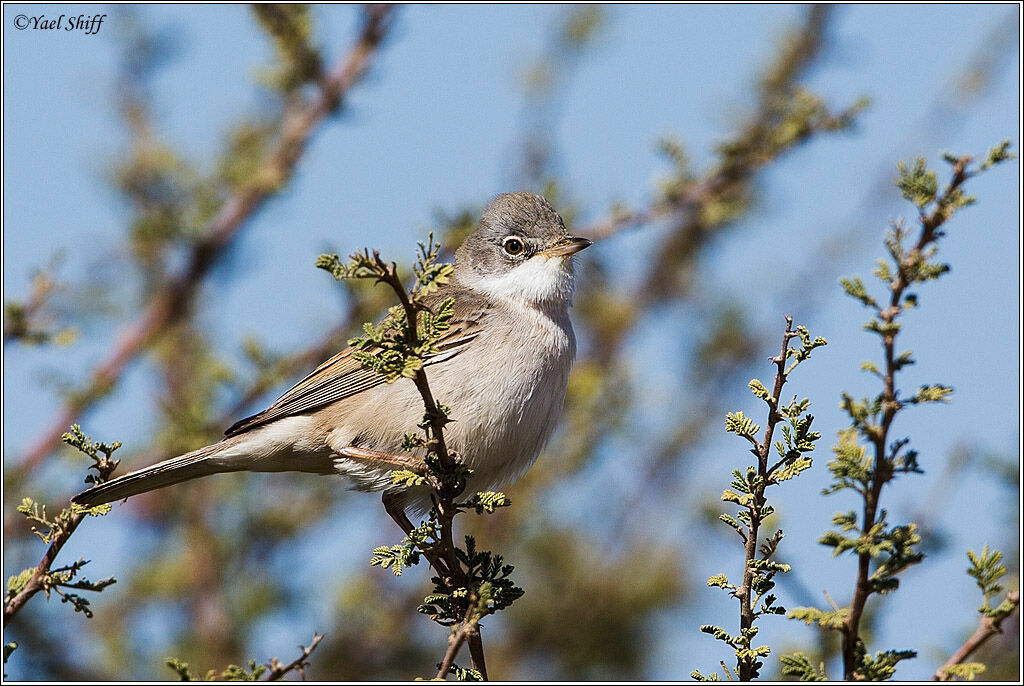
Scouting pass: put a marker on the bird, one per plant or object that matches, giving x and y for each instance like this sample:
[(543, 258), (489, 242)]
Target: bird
[(502, 367)]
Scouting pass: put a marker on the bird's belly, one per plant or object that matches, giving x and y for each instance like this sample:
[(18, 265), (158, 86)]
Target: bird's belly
[(506, 411), (499, 430), (503, 410)]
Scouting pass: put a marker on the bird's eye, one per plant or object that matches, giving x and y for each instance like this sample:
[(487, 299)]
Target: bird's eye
[(513, 245)]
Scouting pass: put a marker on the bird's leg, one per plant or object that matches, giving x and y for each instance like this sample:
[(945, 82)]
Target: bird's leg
[(397, 513), (369, 455)]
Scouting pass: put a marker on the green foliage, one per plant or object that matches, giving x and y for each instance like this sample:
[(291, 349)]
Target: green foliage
[(488, 584), (748, 491), (291, 28), (827, 619), (917, 183), (63, 578), (932, 394), (882, 666), (807, 345), (101, 454), (855, 288), (737, 423), (987, 569), (398, 557), (487, 501), (33, 321), (273, 671), (800, 666), (407, 478), (54, 531), (392, 347), (888, 549), (968, 671), (242, 164), (996, 155), (463, 673), (230, 673)]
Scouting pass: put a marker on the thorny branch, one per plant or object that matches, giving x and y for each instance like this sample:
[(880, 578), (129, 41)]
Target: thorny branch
[(170, 303), (62, 527)]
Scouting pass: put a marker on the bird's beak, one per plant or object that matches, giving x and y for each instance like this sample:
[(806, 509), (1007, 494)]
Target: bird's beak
[(569, 245)]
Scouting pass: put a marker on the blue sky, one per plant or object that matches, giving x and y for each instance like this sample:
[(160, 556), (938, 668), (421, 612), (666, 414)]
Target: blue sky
[(436, 126)]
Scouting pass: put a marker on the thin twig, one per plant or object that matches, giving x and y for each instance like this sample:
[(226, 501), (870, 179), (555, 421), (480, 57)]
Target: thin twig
[(41, 575), (746, 592), (61, 531), (299, 664), (171, 302), (987, 628), (458, 636)]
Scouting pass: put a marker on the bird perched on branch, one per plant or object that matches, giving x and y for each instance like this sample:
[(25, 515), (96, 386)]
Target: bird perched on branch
[(502, 366)]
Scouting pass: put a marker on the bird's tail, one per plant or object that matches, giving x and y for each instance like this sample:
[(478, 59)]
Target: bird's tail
[(191, 465)]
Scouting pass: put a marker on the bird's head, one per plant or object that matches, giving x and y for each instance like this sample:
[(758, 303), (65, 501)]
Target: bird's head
[(520, 251)]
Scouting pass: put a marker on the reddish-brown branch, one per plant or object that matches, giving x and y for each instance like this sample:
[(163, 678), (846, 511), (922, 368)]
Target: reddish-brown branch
[(167, 305), (468, 629), (38, 582), (987, 628)]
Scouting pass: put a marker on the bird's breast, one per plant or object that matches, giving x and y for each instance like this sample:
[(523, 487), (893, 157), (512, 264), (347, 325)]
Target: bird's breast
[(507, 392)]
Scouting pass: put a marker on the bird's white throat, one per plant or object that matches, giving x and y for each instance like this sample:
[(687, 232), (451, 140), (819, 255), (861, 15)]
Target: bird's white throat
[(541, 281)]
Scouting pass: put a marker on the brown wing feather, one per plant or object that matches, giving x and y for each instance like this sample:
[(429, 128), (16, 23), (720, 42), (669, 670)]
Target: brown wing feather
[(342, 376)]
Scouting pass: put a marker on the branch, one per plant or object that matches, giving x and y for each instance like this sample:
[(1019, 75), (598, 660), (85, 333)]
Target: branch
[(62, 527), (987, 628), (469, 584), (40, 577), (171, 302), (446, 508), (747, 666), (465, 630), (906, 266), (299, 664)]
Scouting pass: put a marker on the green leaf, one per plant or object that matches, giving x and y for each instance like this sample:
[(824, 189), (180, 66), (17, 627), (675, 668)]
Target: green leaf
[(488, 501), (182, 669), (827, 619), (800, 666), (16, 584), (720, 634), (918, 184), (932, 394), (737, 423), (854, 287), (407, 478), (997, 155), (759, 390), (986, 569), (720, 581), (968, 671)]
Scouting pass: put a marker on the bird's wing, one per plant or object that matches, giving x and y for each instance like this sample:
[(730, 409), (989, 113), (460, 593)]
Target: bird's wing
[(343, 376)]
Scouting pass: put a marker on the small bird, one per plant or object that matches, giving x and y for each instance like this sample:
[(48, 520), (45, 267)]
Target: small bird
[(502, 367)]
